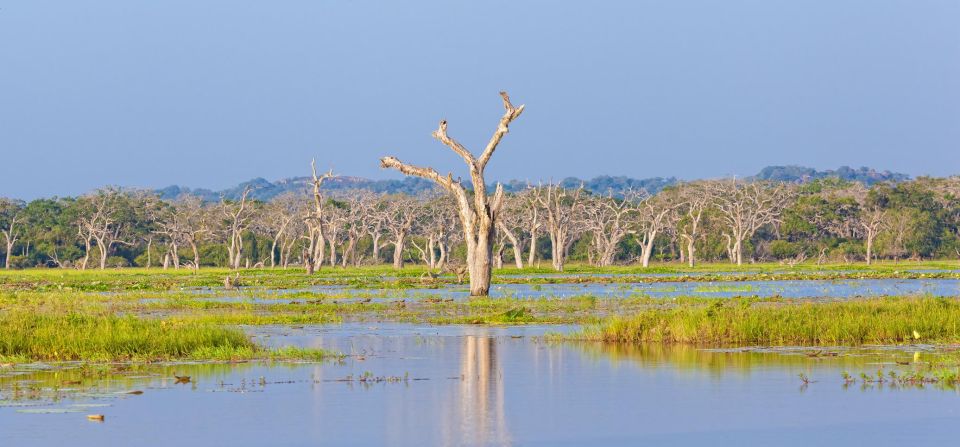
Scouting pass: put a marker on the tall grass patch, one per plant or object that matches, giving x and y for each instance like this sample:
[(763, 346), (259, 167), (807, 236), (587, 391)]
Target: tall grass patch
[(735, 322)]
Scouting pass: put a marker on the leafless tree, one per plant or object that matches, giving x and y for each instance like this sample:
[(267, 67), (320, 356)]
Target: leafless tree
[(745, 207), (513, 225), (694, 201), (315, 221), (402, 211), (10, 219), (478, 216), (561, 216), (101, 221), (436, 222), (870, 218), (337, 218), (360, 211), (375, 224), (655, 214), (609, 219), (277, 221), (237, 216)]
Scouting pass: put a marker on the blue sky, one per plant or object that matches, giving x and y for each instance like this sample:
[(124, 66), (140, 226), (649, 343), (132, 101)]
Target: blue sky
[(208, 93)]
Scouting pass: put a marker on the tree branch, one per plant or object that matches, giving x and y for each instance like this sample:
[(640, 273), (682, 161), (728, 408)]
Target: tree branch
[(441, 134), (509, 115)]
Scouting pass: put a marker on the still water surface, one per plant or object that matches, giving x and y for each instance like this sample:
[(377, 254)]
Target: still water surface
[(465, 385)]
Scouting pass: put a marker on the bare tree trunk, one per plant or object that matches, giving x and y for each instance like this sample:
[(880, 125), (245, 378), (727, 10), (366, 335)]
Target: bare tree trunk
[(533, 247), (348, 252), (515, 243), (149, 246), (647, 249), (86, 254), (479, 217), (103, 255), (196, 255), (398, 251), (691, 251), (443, 256), (333, 251), (870, 236)]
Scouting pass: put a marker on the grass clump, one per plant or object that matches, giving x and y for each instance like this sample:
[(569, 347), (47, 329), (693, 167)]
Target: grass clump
[(740, 322), (75, 336)]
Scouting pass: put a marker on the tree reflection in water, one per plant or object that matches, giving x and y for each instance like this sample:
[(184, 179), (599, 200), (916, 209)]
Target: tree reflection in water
[(477, 416)]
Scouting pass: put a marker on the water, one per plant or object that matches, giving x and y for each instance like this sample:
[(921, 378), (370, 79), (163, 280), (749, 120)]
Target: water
[(832, 289), (470, 385)]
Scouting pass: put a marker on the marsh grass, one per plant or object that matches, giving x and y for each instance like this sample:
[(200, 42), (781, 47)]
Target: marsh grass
[(28, 336), (386, 278), (749, 323)]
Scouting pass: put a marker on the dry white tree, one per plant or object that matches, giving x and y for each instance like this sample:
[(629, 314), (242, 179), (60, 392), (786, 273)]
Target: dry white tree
[(277, 223), (101, 223), (745, 207), (478, 212), (401, 213), (434, 226), (359, 213), (694, 201), (315, 221), (870, 218), (237, 216), (10, 217), (561, 215), (609, 219), (655, 215), (375, 224), (336, 219), (532, 219), (513, 226)]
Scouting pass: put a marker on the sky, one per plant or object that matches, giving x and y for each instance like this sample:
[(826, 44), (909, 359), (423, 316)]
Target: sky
[(209, 93)]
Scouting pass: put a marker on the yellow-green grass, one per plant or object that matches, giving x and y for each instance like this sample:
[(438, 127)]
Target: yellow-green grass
[(381, 276), (29, 336), (742, 323)]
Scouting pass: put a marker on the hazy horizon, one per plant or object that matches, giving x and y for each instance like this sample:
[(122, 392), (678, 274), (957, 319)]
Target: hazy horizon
[(211, 94)]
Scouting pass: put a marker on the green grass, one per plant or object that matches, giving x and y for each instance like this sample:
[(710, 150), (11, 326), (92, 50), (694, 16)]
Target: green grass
[(743, 323), (28, 336), (384, 277)]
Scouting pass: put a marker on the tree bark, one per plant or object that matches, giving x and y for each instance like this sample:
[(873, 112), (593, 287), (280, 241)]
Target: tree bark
[(477, 217)]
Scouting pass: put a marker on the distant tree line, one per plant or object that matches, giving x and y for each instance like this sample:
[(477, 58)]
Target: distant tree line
[(262, 189), (739, 221)]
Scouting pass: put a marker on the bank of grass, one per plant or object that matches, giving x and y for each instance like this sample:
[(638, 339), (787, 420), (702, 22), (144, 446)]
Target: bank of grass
[(27, 336), (744, 323), (412, 276)]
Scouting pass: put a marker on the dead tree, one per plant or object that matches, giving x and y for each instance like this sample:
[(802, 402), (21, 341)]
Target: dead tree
[(560, 208), (478, 214), (694, 201), (237, 216), (654, 216), (313, 253), (101, 222), (533, 220), (608, 219), (401, 213), (359, 207), (186, 221), (434, 225), (10, 218), (337, 218), (513, 225), (278, 217), (745, 207)]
